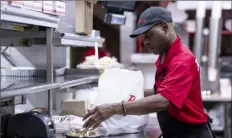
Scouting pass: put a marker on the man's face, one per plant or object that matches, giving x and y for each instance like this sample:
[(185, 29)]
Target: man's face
[(156, 39)]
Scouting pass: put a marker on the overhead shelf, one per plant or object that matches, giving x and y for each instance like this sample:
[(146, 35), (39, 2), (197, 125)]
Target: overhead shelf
[(74, 40), (12, 14), (25, 16), (38, 85), (77, 82), (30, 90), (216, 98), (59, 39)]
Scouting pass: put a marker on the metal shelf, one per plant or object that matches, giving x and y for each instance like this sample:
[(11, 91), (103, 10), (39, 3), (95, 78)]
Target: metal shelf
[(59, 39), (216, 98), (24, 16), (29, 90), (77, 82), (40, 86), (217, 128), (20, 16), (74, 40)]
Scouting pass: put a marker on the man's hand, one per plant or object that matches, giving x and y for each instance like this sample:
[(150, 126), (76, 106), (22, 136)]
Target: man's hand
[(98, 115)]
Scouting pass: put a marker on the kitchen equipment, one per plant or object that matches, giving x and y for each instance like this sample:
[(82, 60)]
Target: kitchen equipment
[(4, 118), (30, 124)]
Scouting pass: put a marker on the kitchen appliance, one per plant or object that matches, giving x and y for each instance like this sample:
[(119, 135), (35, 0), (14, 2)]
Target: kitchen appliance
[(31, 124), (115, 11)]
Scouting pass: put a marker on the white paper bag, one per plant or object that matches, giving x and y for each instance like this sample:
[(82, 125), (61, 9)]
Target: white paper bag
[(116, 85), (67, 122)]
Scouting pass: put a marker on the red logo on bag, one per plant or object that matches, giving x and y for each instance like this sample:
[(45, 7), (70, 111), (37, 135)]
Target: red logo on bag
[(132, 98)]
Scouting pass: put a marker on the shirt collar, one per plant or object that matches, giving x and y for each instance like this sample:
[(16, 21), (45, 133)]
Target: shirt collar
[(171, 52)]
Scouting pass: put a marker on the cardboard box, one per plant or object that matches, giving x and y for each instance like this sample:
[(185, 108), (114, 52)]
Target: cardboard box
[(84, 17), (28, 5), (37, 5), (59, 7), (75, 107), (17, 3), (48, 7)]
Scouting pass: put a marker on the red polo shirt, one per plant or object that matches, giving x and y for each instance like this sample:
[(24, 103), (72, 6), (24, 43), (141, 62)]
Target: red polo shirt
[(181, 84)]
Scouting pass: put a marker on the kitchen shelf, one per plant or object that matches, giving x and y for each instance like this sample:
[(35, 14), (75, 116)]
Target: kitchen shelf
[(216, 98), (74, 40), (72, 83), (25, 16), (224, 32), (59, 39), (29, 90), (24, 27), (29, 85)]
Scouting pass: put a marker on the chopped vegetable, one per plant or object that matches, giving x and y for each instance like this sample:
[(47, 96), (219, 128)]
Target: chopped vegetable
[(84, 133)]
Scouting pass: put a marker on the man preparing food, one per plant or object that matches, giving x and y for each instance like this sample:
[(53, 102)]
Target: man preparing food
[(176, 96)]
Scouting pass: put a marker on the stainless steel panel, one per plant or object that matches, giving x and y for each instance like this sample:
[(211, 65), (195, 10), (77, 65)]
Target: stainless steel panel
[(214, 46), (127, 44), (30, 90), (77, 82), (50, 67), (24, 16), (198, 41), (214, 53), (214, 41)]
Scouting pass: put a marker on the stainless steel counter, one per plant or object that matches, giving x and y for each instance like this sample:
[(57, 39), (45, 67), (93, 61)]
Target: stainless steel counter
[(149, 132), (216, 98)]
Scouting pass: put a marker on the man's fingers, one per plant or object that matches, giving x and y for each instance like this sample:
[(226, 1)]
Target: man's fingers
[(89, 114), (91, 121), (96, 124)]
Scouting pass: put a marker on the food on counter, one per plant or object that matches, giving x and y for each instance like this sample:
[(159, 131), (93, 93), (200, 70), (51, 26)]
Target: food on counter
[(107, 61), (83, 133), (92, 62)]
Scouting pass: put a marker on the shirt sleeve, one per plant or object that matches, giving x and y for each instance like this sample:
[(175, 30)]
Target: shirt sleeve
[(177, 84)]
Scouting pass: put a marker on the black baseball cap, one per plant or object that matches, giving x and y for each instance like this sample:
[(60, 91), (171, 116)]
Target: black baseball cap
[(151, 17)]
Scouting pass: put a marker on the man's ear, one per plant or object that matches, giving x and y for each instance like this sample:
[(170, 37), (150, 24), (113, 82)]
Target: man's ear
[(164, 26)]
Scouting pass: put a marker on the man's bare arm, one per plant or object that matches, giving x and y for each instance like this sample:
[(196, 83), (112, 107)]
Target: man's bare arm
[(143, 106), (148, 92)]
